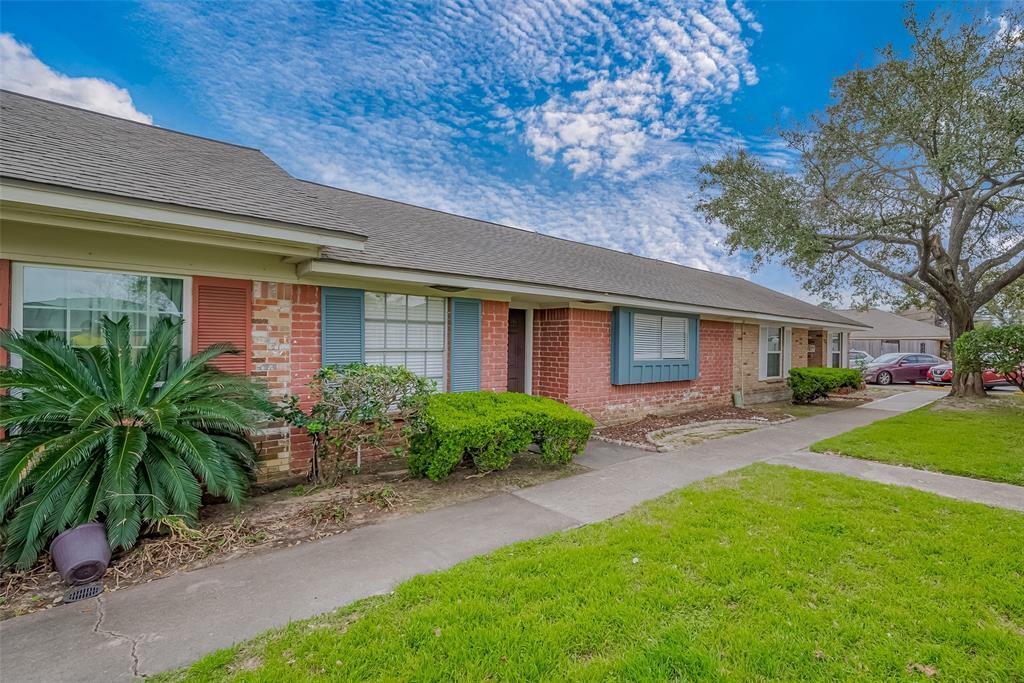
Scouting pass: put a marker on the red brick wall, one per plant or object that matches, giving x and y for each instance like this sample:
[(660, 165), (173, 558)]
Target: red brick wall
[(286, 353), (572, 362), (494, 346), (551, 353)]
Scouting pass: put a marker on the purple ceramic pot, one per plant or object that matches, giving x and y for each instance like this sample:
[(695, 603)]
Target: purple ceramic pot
[(81, 554)]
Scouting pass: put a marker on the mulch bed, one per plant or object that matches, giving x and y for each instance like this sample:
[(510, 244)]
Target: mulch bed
[(636, 432), (281, 518)]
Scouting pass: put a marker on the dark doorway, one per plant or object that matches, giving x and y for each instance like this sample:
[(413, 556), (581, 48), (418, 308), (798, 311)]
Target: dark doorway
[(517, 350)]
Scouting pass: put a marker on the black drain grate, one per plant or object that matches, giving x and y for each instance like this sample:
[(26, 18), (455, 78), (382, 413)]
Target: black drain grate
[(76, 593)]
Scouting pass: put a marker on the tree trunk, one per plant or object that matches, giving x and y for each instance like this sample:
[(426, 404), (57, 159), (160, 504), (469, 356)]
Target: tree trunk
[(965, 384)]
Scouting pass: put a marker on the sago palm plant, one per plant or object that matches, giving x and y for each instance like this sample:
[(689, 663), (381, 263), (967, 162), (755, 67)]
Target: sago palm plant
[(97, 434)]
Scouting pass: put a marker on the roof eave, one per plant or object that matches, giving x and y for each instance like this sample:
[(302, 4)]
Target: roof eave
[(325, 268), (43, 197)]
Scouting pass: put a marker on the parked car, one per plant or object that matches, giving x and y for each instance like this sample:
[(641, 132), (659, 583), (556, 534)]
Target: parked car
[(900, 367), (943, 374), (860, 359)]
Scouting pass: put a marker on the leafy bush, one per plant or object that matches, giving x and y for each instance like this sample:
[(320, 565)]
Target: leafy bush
[(810, 384), (490, 428), (353, 407), (97, 435), (998, 348)]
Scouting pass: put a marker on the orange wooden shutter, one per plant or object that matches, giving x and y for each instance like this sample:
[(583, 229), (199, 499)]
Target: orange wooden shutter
[(222, 312)]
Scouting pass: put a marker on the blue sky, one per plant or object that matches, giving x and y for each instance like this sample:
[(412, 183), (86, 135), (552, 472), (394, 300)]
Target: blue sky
[(583, 120)]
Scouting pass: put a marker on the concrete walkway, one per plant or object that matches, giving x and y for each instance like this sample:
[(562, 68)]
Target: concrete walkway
[(176, 620)]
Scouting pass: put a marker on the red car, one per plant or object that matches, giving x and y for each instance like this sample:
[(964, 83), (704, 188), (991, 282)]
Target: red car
[(943, 374), (900, 367)]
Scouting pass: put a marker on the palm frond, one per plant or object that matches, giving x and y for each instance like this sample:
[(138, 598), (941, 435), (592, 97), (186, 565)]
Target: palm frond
[(152, 362), (96, 361), (52, 356), (119, 346), (125, 448)]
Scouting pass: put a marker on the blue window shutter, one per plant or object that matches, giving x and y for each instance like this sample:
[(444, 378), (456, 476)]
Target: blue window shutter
[(341, 325), (465, 373)]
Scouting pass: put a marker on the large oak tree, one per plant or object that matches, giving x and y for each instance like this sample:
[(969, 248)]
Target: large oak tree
[(912, 179)]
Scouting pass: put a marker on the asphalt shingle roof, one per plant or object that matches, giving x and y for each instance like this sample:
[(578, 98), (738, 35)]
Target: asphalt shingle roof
[(886, 325), (56, 144), (60, 145)]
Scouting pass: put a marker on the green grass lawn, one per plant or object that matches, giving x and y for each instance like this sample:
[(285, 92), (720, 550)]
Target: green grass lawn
[(981, 439), (766, 573)]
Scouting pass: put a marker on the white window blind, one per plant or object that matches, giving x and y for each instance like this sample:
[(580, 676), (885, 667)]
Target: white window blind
[(406, 330), (675, 340), (658, 337)]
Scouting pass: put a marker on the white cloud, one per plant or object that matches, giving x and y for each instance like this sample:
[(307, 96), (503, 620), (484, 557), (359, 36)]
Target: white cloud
[(578, 119), (22, 72)]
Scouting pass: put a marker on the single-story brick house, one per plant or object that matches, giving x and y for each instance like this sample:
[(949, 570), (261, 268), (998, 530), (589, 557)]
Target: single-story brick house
[(106, 216)]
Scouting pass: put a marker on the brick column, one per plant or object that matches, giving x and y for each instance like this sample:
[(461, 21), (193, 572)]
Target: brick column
[(494, 346), (800, 345), (286, 353)]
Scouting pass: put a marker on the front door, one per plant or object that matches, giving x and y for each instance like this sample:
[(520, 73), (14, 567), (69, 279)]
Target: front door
[(517, 350)]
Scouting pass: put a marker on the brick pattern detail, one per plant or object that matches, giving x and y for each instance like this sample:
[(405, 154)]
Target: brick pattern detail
[(800, 337), (551, 353), (572, 363), (494, 346), (286, 354)]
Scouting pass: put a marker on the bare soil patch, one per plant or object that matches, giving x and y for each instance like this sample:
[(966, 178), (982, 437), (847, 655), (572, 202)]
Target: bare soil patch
[(636, 432), (281, 518)]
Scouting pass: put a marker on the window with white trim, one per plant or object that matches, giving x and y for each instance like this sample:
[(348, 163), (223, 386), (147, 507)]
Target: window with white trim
[(71, 302), (657, 337), (772, 351), (405, 329), (836, 349)]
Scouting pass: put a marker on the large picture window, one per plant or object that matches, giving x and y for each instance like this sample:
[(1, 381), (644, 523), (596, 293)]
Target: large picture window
[(71, 303), (657, 337), (406, 330)]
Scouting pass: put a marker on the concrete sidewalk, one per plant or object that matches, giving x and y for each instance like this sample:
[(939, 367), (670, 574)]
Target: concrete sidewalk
[(176, 620)]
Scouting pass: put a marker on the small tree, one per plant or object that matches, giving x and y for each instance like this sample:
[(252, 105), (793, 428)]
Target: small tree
[(354, 407), (913, 176), (998, 348)]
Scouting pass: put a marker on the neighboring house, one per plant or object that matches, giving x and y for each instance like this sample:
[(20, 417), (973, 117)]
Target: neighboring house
[(105, 216), (894, 333)]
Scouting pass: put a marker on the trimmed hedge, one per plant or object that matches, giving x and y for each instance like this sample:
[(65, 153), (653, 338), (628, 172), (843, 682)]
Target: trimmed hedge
[(810, 384), (490, 429)]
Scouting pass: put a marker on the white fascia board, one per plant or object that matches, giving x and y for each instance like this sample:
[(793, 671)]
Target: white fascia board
[(44, 198), (322, 267)]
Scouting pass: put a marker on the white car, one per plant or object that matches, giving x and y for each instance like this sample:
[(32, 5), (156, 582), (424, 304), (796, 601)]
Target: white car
[(860, 359)]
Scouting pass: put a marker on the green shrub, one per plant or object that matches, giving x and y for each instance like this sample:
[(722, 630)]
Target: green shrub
[(999, 348), (354, 407), (105, 434), (491, 428), (810, 384)]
